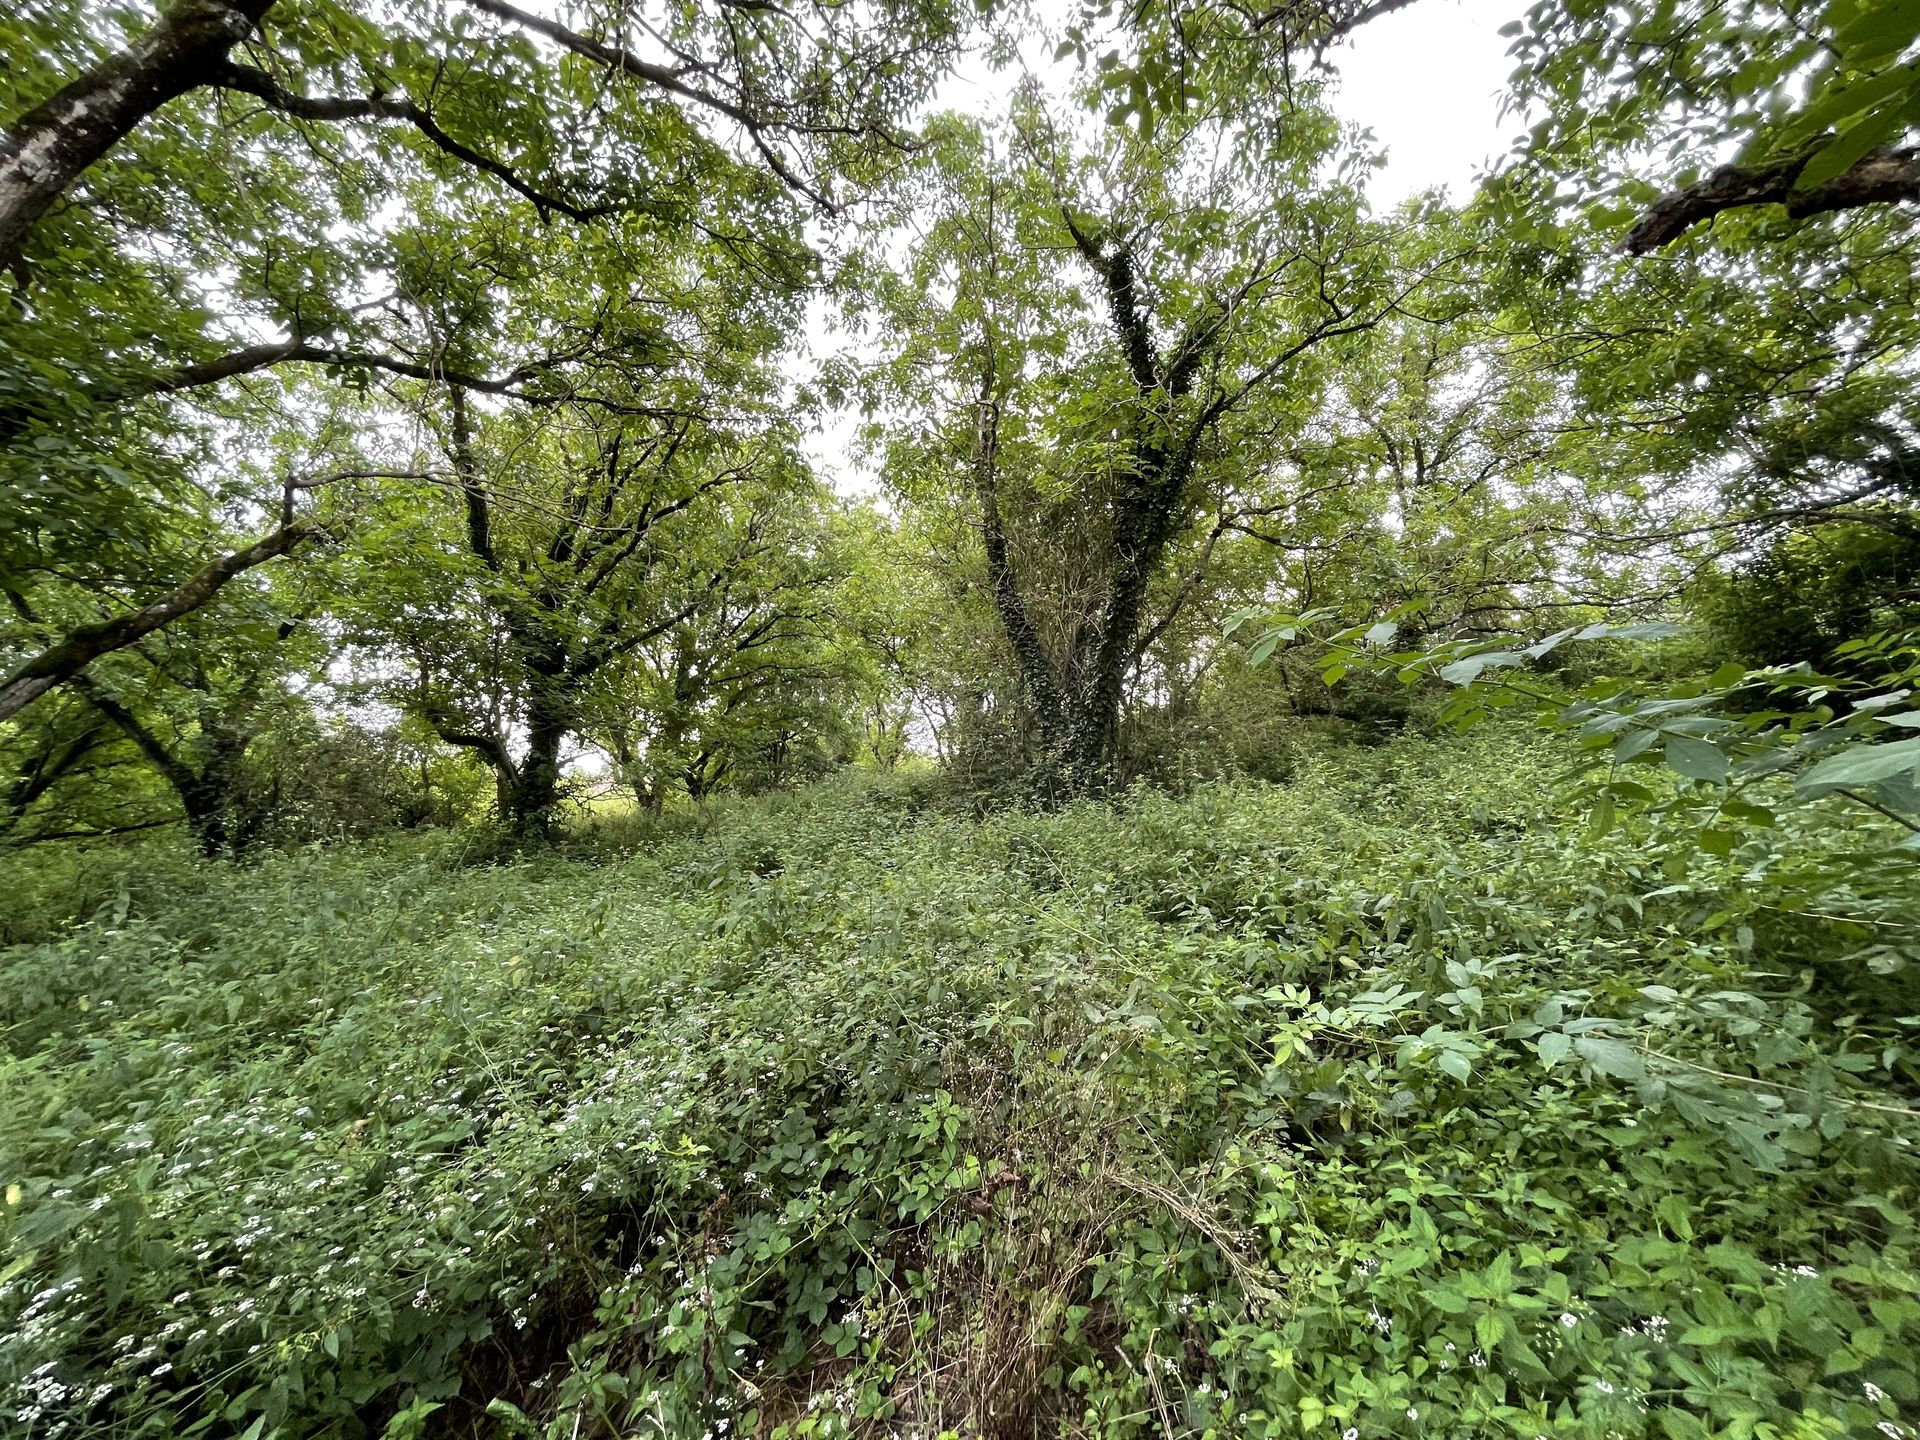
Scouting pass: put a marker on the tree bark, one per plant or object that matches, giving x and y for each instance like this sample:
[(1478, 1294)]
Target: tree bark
[(1044, 688), (48, 148), (1883, 177), (62, 661), (535, 792)]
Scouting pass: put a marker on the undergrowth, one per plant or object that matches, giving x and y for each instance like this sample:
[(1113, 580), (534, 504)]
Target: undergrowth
[(1386, 1102)]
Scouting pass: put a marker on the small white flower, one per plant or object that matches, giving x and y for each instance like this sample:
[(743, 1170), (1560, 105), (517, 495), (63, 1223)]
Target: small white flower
[(1569, 1319), (1352, 1432), (1873, 1392), (1412, 1414), (1890, 1430)]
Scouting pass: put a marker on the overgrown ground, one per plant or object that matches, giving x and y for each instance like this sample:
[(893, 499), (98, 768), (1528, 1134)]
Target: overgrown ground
[(1386, 1102)]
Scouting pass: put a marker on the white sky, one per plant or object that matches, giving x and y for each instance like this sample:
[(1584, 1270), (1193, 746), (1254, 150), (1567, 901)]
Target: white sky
[(1426, 81)]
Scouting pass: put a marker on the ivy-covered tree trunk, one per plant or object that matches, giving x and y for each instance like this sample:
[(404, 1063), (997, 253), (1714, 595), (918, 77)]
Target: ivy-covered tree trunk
[(1076, 699), (534, 794)]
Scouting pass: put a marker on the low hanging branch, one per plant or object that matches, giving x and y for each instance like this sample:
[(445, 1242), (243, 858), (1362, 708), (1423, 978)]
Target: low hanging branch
[(64, 660), (1883, 177)]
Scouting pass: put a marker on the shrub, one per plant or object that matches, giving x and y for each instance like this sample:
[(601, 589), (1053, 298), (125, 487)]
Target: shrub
[(1382, 1102)]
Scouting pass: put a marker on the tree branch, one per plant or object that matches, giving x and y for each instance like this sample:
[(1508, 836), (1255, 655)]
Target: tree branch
[(466, 473), (53, 144), (1885, 176), (263, 87), (66, 659), (672, 80), (1114, 265), (176, 772)]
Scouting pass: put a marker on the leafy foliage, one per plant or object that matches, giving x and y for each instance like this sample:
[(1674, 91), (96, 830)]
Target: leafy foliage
[(1379, 1101)]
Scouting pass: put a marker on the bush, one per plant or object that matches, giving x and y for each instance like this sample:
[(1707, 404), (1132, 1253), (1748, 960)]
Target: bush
[(1382, 1102)]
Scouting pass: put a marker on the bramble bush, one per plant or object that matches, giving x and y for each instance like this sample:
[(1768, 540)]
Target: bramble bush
[(1392, 1101)]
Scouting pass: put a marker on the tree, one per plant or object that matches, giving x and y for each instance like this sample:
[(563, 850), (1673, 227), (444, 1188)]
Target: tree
[(733, 691), (1115, 315), (565, 542), (448, 82), (188, 704), (166, 277)]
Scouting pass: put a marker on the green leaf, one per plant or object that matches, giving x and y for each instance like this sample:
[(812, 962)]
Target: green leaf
[(1608, 1056), (1697, 759), (1863, 764), (1602, 819), (1553, 1047), (1837, 103), (1871, 130), (1718, 843), (1632, 744), (1465, 672)]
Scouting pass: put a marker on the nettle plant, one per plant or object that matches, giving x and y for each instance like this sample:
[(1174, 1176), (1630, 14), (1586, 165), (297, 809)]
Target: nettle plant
[(1720, 754)]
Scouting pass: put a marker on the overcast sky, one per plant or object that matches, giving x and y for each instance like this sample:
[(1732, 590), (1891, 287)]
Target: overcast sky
[(1425, 80)]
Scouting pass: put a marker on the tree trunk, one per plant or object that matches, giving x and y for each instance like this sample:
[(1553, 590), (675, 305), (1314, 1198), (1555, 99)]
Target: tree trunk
[(206, 794), (50, 146), (206, 807), (535, 792)]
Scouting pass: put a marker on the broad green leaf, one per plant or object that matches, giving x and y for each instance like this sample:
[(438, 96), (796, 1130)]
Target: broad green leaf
[(1612, 1057), (1863, 764), (1697, 759), (1465, 672)]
